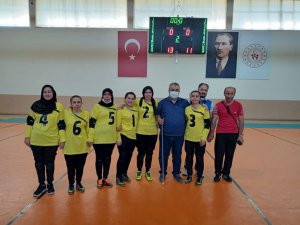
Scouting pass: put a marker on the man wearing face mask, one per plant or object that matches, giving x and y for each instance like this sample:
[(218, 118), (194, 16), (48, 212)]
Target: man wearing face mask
[(171, 118)]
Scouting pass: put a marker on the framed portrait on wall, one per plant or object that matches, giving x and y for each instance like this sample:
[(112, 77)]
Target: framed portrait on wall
[(221, 61)]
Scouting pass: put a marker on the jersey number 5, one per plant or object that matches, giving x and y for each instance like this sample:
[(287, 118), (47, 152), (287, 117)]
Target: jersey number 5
[(111, 117)]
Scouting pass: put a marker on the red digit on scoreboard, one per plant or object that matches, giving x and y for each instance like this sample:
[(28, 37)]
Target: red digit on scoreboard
[(189, 50), (171, 50), (171, 31), (187, 31)]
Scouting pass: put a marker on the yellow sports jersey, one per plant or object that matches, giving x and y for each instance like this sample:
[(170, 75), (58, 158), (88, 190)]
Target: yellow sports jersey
[(195, 130), (127, 118), (146, 124), (43, 130), (104, 129), (77, 126)]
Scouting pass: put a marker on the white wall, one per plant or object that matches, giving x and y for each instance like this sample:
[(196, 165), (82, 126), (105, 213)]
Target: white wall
[(84, 61)]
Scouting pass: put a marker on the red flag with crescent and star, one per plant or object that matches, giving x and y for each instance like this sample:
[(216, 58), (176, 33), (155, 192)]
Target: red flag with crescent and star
[(132, 53)]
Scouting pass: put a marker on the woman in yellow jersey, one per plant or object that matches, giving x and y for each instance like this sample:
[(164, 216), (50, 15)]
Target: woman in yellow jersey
[(146, 132), (76, 147), (197, 128), (44, 133), (103, 135), (126, 125)]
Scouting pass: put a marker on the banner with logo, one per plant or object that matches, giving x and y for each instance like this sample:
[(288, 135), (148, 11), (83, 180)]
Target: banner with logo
[(132, 53), (254, 55)]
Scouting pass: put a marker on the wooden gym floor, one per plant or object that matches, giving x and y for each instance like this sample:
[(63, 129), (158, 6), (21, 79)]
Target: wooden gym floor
[(265, 190)]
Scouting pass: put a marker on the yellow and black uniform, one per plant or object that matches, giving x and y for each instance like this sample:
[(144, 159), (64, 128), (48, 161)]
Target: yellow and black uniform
[(147, 123), (103, 134), (127, 119), (103, 124), (146, 132), (77, 126), (45, 130), (76, 148), (197, 128)]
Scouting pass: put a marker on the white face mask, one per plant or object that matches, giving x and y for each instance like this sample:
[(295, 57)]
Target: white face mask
[(174, 94)]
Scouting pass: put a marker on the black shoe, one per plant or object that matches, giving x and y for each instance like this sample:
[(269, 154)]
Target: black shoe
[(79, 187), (199, 180), (227, 178), (188, 179), (120, 182), (40, 191), (71, 189), (126, 178), (50, 189), (217, 178), (178, 178)]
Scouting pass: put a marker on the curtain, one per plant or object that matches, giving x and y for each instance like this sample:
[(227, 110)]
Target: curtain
[(14, 13), (213, 10), (266, 14), (81, 13)]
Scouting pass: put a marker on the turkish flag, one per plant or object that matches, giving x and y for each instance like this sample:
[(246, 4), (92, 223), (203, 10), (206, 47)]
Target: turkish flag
[(132, 53)]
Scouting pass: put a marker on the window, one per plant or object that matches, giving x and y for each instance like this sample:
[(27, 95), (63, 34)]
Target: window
[(14, 13), (214, 10), (81, 13), (266, 14)]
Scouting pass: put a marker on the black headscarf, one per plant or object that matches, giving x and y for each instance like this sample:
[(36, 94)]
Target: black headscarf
[(112, 98), (44, 106)]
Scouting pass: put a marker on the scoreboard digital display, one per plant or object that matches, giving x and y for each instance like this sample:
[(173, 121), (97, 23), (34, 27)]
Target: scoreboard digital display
[(177, 35)]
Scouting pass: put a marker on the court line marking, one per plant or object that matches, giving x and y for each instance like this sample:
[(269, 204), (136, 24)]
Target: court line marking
[(260, 212), (272, 135), (11, 137), (11, 125), (32, 203)]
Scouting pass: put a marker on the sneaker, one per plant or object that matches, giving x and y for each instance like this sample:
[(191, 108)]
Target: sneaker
[(217, 178), (41, 189), (188, 179), (71, 189), (227, 178), (79, 187), (126, 178), (199, 180), (100, 183), (120, 182), (50, 189), (162, 178), (184, 173), (107, 182), (138, 175), (178, 178), (148, 176)]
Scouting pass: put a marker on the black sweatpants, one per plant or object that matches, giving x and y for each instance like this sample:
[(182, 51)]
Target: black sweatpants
[(103, 159), (125, 154), (145, 147), (44, 157), (192, 148), (75, 165), (225, 145)]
